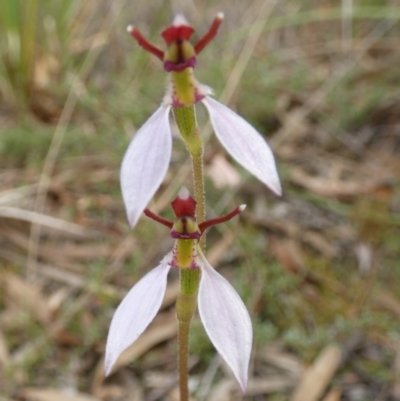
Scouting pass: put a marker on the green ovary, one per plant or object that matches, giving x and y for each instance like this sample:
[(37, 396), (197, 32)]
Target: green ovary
[(184, 86), (184, 249)]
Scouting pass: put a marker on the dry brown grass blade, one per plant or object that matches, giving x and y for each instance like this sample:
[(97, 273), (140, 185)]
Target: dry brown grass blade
[(174, 395), (29, 216), (387, 301), (14, 195), (55, 273), (268, 385), (222, 173), (215, 254), (222, 391), (289, 254), (25, 296), (321, 244), (50, 394), (333, 395), (316, 379), (336, 188), (296, 232), (131, 391), (274, 355), (76, 252)]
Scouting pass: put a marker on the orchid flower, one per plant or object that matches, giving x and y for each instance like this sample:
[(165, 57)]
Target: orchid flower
[(147, 158), (221, 310)]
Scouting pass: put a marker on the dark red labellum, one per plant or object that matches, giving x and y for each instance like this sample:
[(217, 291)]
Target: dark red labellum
[(170, 66)]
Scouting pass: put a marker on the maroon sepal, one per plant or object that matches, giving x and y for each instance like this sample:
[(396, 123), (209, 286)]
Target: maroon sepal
[(184, 205), (158, 218), (183, 32), (143, 42), (218, 220), (186, 227), (205, 40)]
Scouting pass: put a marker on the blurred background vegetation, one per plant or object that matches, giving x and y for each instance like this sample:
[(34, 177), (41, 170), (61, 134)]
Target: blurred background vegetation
[(318, 268)]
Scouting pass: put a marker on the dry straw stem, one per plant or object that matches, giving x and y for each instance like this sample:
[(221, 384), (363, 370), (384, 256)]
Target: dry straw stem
[(317, 378), (333, 395), (14, 195), (25, 296), (58, 137), (45, 220), (51, 394)]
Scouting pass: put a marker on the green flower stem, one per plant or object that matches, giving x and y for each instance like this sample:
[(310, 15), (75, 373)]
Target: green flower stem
[(183, 358), (186, 121), (185, 308), (186, 303), (199, 193)]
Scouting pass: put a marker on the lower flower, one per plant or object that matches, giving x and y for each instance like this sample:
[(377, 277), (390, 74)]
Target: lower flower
[(223, 313)]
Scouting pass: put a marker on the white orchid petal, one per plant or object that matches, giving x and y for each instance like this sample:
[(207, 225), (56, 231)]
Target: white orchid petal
[(226, 321), (145, 163), (136, 311), (244, 143)]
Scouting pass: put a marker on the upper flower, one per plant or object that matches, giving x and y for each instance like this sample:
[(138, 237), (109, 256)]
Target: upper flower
[(224, 316), (180, 53), (180, 58), (146, 161)]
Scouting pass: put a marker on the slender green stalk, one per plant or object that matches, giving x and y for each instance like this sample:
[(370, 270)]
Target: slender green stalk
[(185, 118), (185, 308), (183, 358), (186, 303), (198, 179)]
